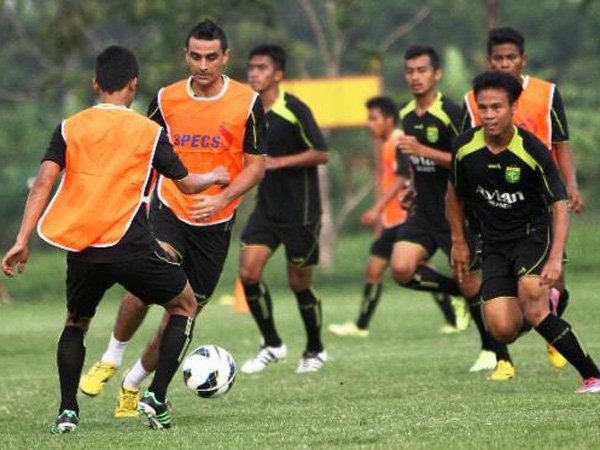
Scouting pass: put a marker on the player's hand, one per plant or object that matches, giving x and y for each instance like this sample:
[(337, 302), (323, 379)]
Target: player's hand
[(272, 163), (551, 271), (18, 254), (369, 218), (407, 198), (221, 175), (575, 200), (460, 260), (409, 145), (206, 206)]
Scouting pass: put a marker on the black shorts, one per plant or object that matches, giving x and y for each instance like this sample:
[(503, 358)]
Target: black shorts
[(150, 277), (419, 231), (506, 262), (384, 245), (301, 242), (201, 251)]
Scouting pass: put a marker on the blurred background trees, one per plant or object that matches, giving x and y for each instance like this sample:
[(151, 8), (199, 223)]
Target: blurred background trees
[(47, 49)]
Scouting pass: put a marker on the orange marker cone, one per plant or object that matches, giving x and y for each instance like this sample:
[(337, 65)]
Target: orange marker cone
[(240, 305)]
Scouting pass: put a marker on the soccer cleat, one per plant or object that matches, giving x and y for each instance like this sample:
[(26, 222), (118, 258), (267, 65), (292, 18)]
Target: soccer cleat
[(590, 386), (461, 311), (127, 403), (312, 362), (348, 329), (92, 383), (485, 361), (157, 413), (265, 356), (449, 329), (504, 371), (66, 422), (556, 359)]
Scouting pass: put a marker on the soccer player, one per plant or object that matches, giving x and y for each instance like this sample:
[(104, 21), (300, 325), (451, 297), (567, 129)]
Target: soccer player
[(430, 123), (212, 120), (508, 178), (540, 110), (108, 153), (288, 212), (389, 212)]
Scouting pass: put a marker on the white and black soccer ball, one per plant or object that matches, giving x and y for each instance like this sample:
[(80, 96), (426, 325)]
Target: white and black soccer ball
[(209, 371)]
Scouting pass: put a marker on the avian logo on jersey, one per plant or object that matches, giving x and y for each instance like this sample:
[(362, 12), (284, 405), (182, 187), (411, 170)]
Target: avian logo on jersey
[(512, 174), (422, 164), (497, 199)]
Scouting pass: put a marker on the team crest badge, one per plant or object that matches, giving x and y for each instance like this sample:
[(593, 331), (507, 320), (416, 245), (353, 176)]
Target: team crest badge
[(512, 175), (433, 134)]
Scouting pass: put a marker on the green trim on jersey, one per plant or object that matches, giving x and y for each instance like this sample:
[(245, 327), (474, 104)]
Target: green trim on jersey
[(410, 107), (474, 145), (280, 108), (436, 110), (516, 148)]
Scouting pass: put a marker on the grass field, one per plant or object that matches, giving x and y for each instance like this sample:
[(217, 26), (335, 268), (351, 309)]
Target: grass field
[(406, 386)]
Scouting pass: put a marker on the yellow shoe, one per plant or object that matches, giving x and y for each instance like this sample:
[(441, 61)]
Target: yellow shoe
[(92, 383), (347, 329), (556, 359), (504, 371), (449, 329), (461, 311), (127, 403)]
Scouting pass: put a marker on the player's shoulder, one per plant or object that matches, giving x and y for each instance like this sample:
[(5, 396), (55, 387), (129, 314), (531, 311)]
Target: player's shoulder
[(531, 81), (449, 105), (532, 144), (175, 85), (471, 141), (242, 88), (294, 104), (407, 107)]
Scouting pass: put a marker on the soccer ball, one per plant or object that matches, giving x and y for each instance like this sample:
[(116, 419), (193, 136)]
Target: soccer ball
[(209, 371)]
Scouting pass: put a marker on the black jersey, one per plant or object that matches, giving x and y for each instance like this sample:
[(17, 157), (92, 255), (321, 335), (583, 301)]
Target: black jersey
[(509, 191), (437, 129), (290, 196)]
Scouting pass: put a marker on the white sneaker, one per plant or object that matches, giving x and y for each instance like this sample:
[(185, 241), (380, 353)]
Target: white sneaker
[(312, 362), (485, 361), (264, 357)]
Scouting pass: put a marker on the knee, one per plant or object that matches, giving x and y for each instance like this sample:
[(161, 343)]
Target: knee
[(77, 322), (183, 305), (534, 314), (249, 275), (402, 273), (506, 334), (299, 282)]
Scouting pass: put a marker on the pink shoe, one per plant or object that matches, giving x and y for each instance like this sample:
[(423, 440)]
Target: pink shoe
[(553, 298), (590, 385)]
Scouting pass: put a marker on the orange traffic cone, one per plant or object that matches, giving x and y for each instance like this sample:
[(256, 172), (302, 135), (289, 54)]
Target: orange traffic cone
[(240, 305)]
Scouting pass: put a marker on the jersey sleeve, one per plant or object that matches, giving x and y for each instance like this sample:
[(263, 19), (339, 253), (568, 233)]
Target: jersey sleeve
[(57, 148), (155, 114), (560, 127), (552, 185), (165, 161), (402, 164), (455, 114), (465, 120), (309, 130), (456, 176), (255, 134)]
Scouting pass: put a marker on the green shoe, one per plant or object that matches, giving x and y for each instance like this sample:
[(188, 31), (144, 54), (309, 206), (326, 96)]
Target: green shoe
[(66, 422), (156, 412)]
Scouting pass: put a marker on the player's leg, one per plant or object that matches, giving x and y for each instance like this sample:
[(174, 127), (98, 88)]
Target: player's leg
[(86, 284), (533, 299), (131, 315), (558, 302)]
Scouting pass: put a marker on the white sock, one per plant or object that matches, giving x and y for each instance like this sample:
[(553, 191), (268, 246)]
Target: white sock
[(135, 377), (114, 351)]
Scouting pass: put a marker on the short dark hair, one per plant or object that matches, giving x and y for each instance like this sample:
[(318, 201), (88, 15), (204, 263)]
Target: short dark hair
[(386, 105), (505, 35), (207, 30), (115, 67), (273, 51), (498, 80), (414, 51)]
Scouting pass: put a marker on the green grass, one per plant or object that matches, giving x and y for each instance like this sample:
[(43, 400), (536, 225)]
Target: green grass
[(406, 386)]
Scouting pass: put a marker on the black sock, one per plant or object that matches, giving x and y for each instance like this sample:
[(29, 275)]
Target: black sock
[(261, 306), (563, 302), (445, 303), (310, 310), (487, 340), (69, 358), (173, 345), (371, 296), (430, 280), (558, 333)]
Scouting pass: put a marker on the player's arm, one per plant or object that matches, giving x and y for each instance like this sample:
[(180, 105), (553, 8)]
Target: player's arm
[(564, 152), (556, 196), (168, 164), (252, 174), (34, 208), (411, 146), (154, 113), (315, 153), (460, 256)]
